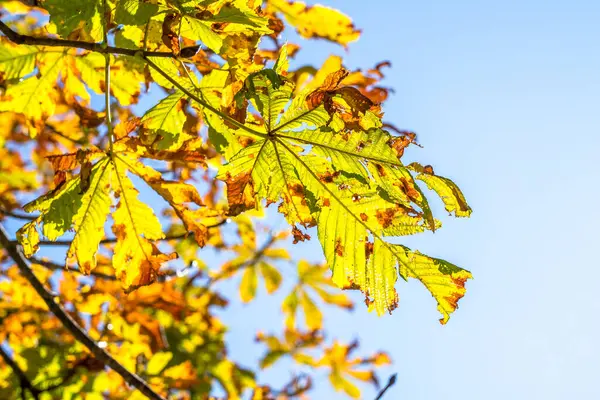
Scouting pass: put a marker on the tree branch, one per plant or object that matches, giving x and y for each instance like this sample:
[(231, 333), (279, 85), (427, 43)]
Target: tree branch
[(390, 383), (95, 47), (59, 267), (102, 48), (80, 335), (23, 380), (17, 216)]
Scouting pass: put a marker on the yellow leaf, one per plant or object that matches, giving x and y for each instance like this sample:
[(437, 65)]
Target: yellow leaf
[(158, 362), (445, 281), (136, 260), (451, 195), (313, 316), (248, 284), (317, 21), (271, 276)]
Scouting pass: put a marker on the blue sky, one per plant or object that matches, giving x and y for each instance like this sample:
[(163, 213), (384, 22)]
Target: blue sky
[(504, 97)]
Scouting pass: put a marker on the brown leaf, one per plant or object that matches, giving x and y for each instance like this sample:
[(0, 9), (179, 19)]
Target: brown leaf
[(240, 193), (169, 37), (299, 236)]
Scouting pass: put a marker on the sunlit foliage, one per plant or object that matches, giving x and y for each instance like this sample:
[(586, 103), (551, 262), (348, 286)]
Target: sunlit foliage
[(143, 202)]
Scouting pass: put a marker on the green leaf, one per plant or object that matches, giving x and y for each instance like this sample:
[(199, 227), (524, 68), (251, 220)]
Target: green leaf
[(91, 217), (166, 119), (196, 29), (33, 97), (135, 12), (16, 61), (346, 180), (83, 15)]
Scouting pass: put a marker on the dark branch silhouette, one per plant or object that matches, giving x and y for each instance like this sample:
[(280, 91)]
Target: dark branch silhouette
[(80, 335), (390, 383), (95, 47), (12, 214), (23, 380)]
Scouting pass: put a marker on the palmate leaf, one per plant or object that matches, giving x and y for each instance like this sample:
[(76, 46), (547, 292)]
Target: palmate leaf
[(329, 171), (83, 204)]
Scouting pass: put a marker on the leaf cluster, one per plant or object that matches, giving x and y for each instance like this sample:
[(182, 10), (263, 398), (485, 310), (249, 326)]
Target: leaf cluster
[(159, 206)]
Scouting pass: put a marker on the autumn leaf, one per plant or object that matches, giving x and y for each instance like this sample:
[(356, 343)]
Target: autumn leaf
[(351, 183), (137, 259), (312, 279), (317, 21), (142, 141)]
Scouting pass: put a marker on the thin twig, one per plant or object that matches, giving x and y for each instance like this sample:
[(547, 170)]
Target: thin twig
[(95, 47), (232, 269), (390, 383), (17, 216), (102, 48), (80, 335), (59, 267), (23, 380), (114, 240)]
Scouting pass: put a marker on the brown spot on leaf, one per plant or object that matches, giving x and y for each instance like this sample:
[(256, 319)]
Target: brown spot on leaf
[(296, 189), (364, 217), (329, 177), (408, 188), (401, 142), (380, 170), (219, 26), (339, 248), (368, 249), (386, 217), (246, 141)]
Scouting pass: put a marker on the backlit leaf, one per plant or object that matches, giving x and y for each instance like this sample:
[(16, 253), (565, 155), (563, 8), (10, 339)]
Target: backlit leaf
[(344, 177)]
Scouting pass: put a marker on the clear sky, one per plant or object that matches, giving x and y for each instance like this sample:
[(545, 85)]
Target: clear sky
[(505, 98)]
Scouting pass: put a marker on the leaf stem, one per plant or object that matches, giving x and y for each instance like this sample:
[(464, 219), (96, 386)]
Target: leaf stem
[(80, 335), (60, 267), (107, 113), (203, 103), (11, 214), (390, 383)]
